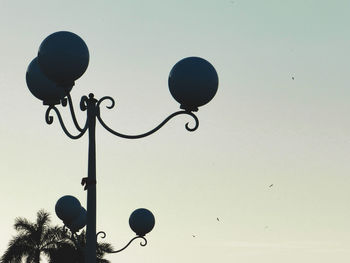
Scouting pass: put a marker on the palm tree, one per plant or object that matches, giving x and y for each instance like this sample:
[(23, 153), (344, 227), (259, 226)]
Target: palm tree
[(32, 240), (72, 249), (56, 243)]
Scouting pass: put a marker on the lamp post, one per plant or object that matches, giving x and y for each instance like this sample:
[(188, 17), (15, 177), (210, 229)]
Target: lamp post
[(62, 58)]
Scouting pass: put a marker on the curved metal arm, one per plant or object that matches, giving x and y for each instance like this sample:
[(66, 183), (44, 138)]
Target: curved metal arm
[(149, 132), (73, 113), (144, 243), (141, 244), (49, 120)]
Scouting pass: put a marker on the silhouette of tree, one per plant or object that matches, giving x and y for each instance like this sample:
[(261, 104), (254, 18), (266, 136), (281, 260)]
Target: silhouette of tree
[(56, 243), (72, 249), (32, 240)]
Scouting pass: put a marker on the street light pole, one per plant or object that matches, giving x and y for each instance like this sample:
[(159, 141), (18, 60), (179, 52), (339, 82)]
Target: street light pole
[(91, 182), (62, 58)]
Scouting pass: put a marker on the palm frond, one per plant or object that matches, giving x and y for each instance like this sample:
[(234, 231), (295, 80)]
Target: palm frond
[(42, 224), (18, 248), (43, 219), (22, 224), (52, 236), (103, 248)]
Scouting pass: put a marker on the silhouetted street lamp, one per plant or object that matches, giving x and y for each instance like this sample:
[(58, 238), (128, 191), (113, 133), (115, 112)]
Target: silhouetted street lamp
[(63, 57)]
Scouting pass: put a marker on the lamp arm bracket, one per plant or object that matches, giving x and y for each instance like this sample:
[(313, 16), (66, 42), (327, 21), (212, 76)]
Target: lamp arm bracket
[(142, 243), (49, 120), (191, 129)]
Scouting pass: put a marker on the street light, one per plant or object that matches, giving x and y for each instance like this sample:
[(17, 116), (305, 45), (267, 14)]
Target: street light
[(73, 215), (62, 58)]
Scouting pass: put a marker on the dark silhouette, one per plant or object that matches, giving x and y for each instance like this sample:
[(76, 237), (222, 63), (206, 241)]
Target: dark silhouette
[(218, 219), (32, 240), (270, 185), (57, 244), (71, 250), (292, 78)]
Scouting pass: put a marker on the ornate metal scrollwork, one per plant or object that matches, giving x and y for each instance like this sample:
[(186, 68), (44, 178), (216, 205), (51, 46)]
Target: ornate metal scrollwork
[(101, 233), (106, 98), (149, 132), (83, 103), (74, 118), (142, 243), (49, 120), (83, 106)]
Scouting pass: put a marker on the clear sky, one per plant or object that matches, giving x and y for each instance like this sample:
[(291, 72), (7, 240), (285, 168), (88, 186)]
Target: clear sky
[(262, 127)]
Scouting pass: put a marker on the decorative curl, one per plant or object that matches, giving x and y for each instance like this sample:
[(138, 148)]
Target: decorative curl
[(106, 98), (64, 101), (83, 103), (144, 243), (49, 120), (48, 117), (196, 122), (155, 129), (101, 233), (74, 118)]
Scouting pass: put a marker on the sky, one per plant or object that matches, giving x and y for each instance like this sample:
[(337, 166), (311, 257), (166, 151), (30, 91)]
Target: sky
[(263, 127)]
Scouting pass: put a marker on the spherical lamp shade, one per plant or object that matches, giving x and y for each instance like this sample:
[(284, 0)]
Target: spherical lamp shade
[(63, 57), (141, 221), (68, 208), (41, 87), (193, 82), (79, 222)]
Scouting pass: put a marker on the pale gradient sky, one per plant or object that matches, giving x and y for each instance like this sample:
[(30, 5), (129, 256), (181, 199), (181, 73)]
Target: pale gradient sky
[(261, 128)]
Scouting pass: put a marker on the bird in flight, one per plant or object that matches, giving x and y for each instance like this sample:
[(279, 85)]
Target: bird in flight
[(270, 185), (193, 236), (218, 219), (292, 78)]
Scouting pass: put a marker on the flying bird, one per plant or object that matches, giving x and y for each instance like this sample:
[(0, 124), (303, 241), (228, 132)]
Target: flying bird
[(218, 219), (292, 78), (193, 236), (270, 185)]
